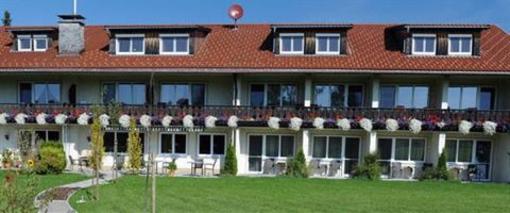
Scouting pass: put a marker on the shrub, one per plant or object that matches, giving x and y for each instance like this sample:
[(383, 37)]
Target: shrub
[(52, 158), (134, 148), (369, 169), (296, 166), (440, 172), (230, 166)]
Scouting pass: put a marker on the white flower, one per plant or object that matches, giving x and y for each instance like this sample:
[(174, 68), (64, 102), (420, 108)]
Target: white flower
[(465, 127), (489, 127), (60, 119), (441, 124), (366, 124), (41, 118), (104, 119), (274, 123), (146, 121), (125, 121), (83, 119), (391, 125), (232, 121), (187, 121), (3, 118), (318, 123), (20, 118), (295, 123), (344, 124), (415, 126), (210, 121), (167, 120)]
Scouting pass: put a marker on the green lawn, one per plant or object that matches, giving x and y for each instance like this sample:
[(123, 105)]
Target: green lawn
[(48, 181), (298, 195)]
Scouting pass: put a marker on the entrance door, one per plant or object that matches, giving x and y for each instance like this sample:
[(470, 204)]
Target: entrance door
[(255, 153), (483, 159)]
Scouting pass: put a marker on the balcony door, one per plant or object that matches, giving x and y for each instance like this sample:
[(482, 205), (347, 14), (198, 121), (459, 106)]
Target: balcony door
[(255, 153)]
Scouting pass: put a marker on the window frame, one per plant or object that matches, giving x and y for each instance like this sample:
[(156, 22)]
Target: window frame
[(393, 150), (130, 36), (117, 83), (32, 91), (478, 92), (24, 36), (116, 132), (397, 88), (264, 141), (344, 139), (266, 85), (292, 51), (160, 153), (473, 151), (327, 52), (211, 136), (460, 53), (174, 52), (189, 84), (34, 41), (424, 53), (346, 93)]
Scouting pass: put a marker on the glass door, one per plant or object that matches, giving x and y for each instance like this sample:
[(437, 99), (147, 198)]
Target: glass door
[(482, 160), (255, 153)]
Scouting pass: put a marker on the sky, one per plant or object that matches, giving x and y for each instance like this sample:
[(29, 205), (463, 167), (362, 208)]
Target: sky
[(43, 12)]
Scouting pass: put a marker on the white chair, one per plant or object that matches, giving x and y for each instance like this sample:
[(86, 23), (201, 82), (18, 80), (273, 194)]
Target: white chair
[(335, 169), (210, 164), (269, 166), (396, 170)]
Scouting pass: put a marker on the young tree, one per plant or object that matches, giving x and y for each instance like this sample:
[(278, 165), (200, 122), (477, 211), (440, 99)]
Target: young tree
[(230, 167), (6, 20), (442, 169), (134, 148), (96, 158), (297, 166)]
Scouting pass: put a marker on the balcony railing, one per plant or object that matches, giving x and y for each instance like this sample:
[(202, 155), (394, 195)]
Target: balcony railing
[(256, 116)]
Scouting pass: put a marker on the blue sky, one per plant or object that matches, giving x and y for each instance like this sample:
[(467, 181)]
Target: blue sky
[(43, 12)]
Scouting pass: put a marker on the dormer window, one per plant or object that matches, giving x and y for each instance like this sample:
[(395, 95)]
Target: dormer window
[(174, 44), (327, 44), (29, 43), (292, 43), (424, 44), (460, 44), (130, 44)]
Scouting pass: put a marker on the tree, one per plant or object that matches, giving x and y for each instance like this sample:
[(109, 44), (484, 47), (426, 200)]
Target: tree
[(96, 157), (297, 166), (230, 166), (442, 169), (134, 148), (6, 20)]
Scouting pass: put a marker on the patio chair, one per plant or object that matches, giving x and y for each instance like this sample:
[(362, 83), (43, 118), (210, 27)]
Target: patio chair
[(335, 169), (319, 167), (280, 167), (73, 162), (209, 164), (198, 164), (407, 172), (396, 170), (269, 166)]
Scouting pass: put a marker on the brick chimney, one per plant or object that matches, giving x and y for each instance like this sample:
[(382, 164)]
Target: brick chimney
[(71, 34)]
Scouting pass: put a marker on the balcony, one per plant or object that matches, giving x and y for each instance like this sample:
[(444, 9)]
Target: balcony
[(258, 116)]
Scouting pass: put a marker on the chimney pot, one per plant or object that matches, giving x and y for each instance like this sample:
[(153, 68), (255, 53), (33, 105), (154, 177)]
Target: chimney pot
[(71, 34)]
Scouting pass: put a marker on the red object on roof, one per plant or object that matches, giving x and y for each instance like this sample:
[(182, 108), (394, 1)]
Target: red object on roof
[(224, 49), (235, 11)]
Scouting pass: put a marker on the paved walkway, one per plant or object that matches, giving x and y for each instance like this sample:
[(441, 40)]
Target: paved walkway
[(63, 206)]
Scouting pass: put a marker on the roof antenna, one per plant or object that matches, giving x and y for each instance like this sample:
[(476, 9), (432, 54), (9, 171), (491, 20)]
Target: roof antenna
[(235, 12), (75, 7)]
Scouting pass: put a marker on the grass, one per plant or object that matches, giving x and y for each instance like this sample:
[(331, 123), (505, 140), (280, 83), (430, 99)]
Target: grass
[(237, 194), (48, 181)]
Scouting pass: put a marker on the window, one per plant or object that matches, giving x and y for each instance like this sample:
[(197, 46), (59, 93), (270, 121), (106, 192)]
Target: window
[(183, 94), (125, 93), (424, 44), (173, 143), (24, 43), (460, 44), (334, 95), (401, 149), (28, 43), (327, 44), (39, 93), (405, 96), (174, 44), (474, 153), (47, 135), (340, 148), (211, 144), (466, 97), (122, 141), (292, 43), (273, 95), (40, 42), (130, 44)]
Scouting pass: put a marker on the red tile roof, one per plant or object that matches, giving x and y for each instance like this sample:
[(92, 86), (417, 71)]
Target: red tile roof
[(225, 48)]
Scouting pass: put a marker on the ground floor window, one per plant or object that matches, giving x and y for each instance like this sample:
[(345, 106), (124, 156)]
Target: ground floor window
[(341, 148), (262, 147), (474, 153), (400, 150), (39, 136), (211, 144), (122, 141), (173, 143)]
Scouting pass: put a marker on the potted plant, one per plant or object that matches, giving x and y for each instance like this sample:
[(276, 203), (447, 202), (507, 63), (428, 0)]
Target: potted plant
[(6, 159), (172, 167)]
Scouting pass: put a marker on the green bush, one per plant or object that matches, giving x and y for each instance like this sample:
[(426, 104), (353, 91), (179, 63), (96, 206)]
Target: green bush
[(230, 166), (296, 167), (369, 169), (52, 159), (440, 172)]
